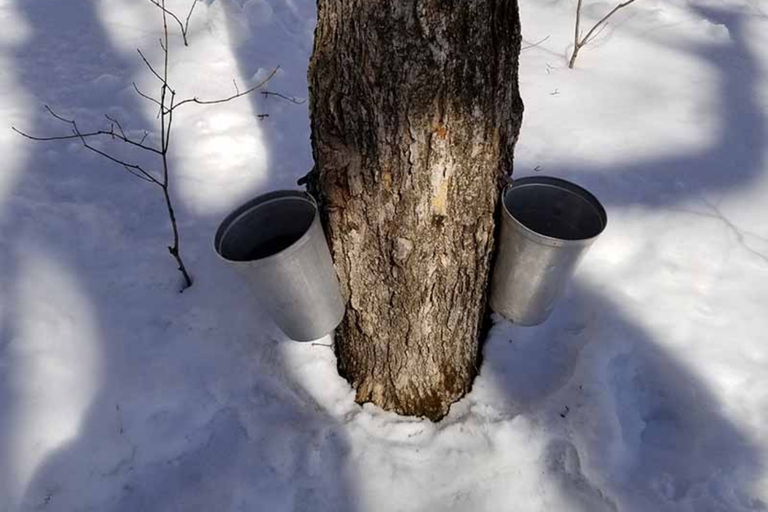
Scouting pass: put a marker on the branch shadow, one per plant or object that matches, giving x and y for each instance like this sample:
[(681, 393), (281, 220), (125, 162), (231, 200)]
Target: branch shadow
[(265, 34), (194, 406)]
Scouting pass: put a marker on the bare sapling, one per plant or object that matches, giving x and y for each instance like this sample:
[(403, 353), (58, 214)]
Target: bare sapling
[(578, 41), (167, 104)]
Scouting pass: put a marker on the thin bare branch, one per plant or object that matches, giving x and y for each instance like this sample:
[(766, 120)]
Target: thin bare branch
[(156, 3), (184, 27), (77, 134), (130, 171), (595, 36), (224, 100), (114, 121), (578, 41), (145, 96), (186, 22), (534, 45), (174, 249), (577, 31), (165, 48), (137, 144), (604, 19), (282, 96), (149, 65), (32, 137), (123, 137), (57, 116), (140, 172), (88, 135), (170, 120), (134, 169)]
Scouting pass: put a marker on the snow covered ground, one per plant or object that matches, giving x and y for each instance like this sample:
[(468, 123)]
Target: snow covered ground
[(646, 390)]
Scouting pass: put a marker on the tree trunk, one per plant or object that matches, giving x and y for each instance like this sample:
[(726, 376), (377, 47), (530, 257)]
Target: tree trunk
[(415, 113)]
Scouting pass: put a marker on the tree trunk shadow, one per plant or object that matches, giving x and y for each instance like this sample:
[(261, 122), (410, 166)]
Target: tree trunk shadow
[(632, 427), (265, 34)]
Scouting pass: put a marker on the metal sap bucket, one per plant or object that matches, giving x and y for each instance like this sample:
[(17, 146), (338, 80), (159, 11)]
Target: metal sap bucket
[(277, 242), (547, 225)]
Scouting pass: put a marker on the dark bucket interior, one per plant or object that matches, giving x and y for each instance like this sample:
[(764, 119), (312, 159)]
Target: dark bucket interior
[(555, 208), (258, 230)]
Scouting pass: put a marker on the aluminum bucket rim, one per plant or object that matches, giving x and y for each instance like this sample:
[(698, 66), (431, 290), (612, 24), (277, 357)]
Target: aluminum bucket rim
[(571, 187), (235, 215)]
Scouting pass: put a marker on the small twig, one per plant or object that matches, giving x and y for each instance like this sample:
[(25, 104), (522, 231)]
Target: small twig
[(234, 96), (596, 35), (534, 45), (57, 116), (170, 121), (183, 26), (79, 135), (186, 22), (116, 122), (149, 65), (282, 96), (578, 41), (134, 169), (315, 344), (145, 96), (576, 34), (128, 167), (605, 18)]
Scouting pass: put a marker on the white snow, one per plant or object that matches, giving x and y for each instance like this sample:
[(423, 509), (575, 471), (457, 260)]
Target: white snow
[(646, 390)]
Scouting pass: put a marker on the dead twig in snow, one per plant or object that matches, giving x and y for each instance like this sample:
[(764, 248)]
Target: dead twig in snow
[(578, 41)]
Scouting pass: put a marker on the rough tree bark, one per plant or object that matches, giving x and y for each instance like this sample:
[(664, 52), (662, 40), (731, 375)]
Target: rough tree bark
[(415, 113)]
